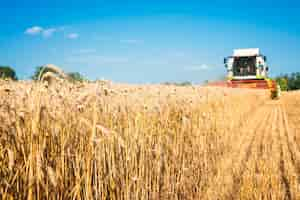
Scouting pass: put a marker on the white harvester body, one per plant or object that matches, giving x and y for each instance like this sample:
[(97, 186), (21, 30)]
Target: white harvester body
[(246, 64)]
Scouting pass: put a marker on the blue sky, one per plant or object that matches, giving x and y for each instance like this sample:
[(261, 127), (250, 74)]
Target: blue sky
[(147, 41)]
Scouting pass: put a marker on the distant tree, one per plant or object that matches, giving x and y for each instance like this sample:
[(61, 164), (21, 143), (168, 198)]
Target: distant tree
[(39, 71), (167, 83), (289, 81), (283, 82), (294, 81), (76, 76), (184, 83), (8, 72)]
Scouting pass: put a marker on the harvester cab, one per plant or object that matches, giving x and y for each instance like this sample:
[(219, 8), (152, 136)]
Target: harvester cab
[(247, 68), (246, 64)]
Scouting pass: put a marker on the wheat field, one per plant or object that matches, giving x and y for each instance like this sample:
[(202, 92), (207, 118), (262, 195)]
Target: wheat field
[(118, 141)]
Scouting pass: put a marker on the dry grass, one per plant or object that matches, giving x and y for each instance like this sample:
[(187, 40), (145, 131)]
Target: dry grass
[(110, 141), (292, 103), (55, 74)]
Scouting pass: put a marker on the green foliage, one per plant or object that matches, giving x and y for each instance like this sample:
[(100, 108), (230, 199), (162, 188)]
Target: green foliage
[(294, 81), (38, 70), (7, 72), (283, 82), (185, 83), (76, 76), (291, 80)]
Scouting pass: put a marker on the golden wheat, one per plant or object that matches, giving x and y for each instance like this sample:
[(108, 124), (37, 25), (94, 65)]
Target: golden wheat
[(115, 141)]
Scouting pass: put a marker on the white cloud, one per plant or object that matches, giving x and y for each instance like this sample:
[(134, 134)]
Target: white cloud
[(73, 36), (35, 30), (49, 32), (198, 67), (131, 41)]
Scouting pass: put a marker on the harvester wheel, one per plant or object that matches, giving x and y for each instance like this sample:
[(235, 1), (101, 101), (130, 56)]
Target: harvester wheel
[(276, 92)]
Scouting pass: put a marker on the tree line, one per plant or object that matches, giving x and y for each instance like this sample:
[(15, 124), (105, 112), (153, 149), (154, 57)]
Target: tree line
[(289, 82), (7, 72)]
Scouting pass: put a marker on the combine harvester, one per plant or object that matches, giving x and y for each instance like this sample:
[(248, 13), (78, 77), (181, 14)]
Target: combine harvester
[(247, 68)]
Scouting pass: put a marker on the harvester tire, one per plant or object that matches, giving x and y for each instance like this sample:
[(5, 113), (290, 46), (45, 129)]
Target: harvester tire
[(276, 93)]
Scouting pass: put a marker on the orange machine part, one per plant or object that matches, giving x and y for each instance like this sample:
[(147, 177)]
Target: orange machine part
[(255, 84), (252, 84)]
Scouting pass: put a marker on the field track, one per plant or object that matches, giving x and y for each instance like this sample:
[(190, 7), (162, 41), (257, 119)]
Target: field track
[(266, 148)]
